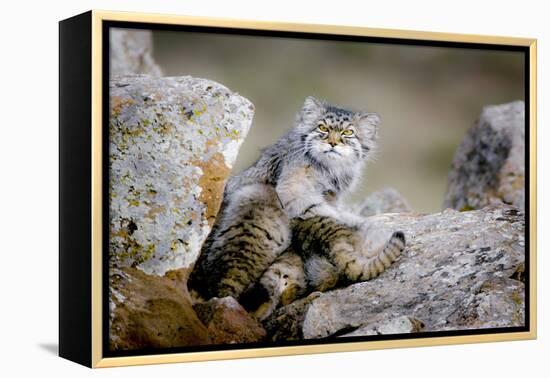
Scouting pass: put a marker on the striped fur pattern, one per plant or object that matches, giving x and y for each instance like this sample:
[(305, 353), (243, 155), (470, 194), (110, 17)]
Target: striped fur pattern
[(324, 254), (337, 254), (283, 229), (250, 233), (282, 283)]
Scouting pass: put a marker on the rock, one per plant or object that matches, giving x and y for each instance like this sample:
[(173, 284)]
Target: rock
[(131, 52), (228, 323), (489, 165), (173, 142), (387, 200), (391, 325), (148, 311), (459, 271), (287, 322)]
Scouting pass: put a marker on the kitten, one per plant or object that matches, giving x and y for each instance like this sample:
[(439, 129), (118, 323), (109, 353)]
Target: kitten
[(282, 283), (294, 195), (324, 254)]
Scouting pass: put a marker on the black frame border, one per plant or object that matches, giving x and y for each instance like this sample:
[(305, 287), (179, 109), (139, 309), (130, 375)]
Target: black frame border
[(75, 195)]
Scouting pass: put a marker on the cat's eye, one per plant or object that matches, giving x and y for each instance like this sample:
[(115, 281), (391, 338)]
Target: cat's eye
[(347, 132), (323, 128)]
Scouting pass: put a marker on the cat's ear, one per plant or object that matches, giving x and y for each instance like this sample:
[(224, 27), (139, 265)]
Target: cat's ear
[(311, 104), (368, 122), (311, 110)]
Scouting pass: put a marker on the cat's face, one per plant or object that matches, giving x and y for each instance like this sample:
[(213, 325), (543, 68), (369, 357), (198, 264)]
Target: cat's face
[(334, 136)]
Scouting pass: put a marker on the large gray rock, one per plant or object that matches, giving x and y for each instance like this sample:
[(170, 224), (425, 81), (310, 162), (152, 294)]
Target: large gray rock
[(131, 52), (460, 270), (173, 142), (489, 165)]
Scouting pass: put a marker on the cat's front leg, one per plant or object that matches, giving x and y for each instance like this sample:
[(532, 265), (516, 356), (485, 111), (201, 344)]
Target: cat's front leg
[(344, 217), (298, 191)]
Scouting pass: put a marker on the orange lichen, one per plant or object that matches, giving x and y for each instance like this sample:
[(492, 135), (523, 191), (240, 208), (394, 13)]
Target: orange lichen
[(212, 182), (117, 103), (154, 211)]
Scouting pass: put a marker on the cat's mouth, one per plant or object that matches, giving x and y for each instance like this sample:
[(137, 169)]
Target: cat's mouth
[(332, 151)]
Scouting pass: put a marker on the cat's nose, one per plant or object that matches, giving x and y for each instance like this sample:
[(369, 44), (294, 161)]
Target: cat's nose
[(333, 139)]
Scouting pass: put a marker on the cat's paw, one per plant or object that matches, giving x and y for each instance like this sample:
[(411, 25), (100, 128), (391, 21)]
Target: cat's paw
[(399, 235), (312, 296), (397, 242)]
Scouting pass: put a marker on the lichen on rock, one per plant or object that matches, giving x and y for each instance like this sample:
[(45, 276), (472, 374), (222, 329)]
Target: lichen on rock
[(172, 146), (459, 271), (489, 164)]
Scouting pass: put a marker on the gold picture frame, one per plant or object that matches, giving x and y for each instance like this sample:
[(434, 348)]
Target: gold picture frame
[(82, 255)]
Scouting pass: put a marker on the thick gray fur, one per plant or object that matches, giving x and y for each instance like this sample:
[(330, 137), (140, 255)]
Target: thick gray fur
[(306, 174)]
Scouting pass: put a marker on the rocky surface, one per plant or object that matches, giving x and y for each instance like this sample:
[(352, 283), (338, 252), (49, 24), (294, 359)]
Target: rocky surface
[(387, 200), (228, 323), (389, 325), (148, 311), (173, 142), (460, 270), (131, 52), (489, 165)]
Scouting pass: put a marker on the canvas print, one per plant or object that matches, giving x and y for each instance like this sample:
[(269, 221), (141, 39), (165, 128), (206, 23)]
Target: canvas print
[(268, 189)]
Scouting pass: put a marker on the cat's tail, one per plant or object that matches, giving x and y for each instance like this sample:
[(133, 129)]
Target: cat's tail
[(377, 264), (345, 247), (358, 265)]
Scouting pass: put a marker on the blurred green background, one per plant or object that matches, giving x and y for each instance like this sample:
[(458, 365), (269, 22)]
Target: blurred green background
[(427, 97)]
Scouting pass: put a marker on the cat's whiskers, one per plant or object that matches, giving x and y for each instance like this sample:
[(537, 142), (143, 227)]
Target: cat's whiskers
[(281, 229)]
